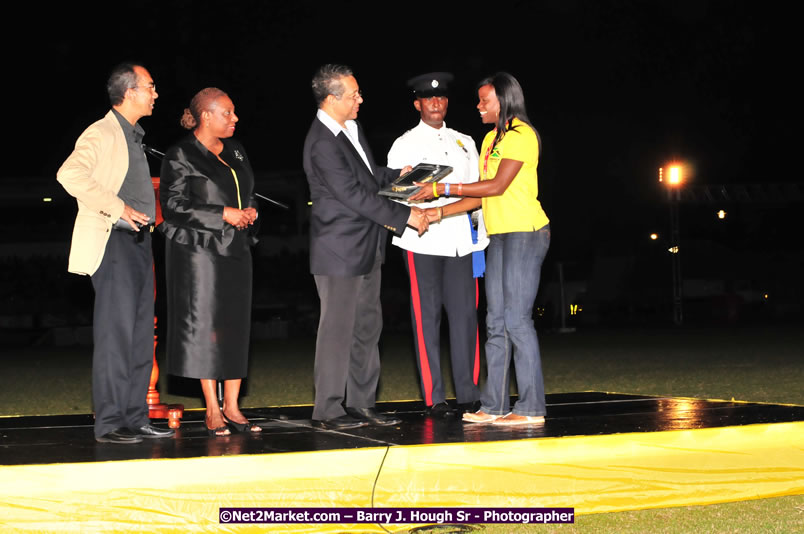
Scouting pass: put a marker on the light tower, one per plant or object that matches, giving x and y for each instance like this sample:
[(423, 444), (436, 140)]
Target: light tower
[(673, 182)]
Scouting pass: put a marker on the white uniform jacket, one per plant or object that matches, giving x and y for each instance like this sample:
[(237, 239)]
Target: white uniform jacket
[(443, 146)]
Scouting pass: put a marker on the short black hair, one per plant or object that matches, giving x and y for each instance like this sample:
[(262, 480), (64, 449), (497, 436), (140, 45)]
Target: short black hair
[(327, 81), (121, 79)]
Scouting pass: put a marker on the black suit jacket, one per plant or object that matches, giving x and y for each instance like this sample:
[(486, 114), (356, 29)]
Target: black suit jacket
[(349, 219), (195, 187)]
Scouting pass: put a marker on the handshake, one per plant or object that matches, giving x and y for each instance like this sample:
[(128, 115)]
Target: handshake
[(420, 219)]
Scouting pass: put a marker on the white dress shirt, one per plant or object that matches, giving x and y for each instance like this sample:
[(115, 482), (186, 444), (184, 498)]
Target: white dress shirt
[(351, 132)]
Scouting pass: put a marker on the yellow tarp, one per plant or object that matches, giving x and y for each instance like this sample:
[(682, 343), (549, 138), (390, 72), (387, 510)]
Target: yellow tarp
[(593, 474)]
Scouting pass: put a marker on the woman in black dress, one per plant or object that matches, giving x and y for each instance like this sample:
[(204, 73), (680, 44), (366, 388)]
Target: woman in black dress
[(206, 193)]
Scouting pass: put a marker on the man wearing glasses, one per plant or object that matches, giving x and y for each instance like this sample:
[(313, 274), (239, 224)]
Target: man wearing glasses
[(347, 245), (108, 175)]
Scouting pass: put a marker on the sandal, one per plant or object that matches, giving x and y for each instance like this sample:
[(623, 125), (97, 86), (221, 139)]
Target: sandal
[(479, 417), (243, 428), (219, 432), (513, 419)]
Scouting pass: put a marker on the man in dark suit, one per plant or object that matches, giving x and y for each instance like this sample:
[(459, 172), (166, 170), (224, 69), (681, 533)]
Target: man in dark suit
[(347, 245)]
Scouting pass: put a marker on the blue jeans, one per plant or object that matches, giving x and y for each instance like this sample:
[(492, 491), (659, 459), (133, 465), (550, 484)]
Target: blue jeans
[(513, 268)]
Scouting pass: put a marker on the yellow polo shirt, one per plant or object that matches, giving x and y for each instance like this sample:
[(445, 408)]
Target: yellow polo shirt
[(518, 209)]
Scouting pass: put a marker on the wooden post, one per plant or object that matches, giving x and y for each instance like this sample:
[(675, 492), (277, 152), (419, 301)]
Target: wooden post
[(156, 409)]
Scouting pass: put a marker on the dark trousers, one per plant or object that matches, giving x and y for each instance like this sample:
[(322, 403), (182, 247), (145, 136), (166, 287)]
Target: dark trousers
[(347, 356), (436, 282), (123, 332)]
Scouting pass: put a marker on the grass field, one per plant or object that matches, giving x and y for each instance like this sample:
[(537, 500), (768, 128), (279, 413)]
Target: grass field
[(761, 364), (754, 364)]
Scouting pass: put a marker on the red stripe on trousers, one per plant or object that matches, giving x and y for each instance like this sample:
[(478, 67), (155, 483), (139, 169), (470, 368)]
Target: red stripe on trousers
[(476, 366), (424, 363)]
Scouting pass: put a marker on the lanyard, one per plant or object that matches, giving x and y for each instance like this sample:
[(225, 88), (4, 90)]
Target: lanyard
[(486, 159), (237, 185)]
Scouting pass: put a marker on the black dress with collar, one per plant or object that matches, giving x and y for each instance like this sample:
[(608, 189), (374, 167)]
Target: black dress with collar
[(208, 261)]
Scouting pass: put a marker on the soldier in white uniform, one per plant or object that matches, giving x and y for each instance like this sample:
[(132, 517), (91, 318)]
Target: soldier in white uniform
[(443, 264)]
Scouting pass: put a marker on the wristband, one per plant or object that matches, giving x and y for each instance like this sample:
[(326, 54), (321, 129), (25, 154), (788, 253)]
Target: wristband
[(460, 189), (446, 189), (435, 189)]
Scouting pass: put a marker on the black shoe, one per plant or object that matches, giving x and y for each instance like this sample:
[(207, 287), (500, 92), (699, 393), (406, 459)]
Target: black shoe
[(242, 428), (440, 410), (343, 422), (373, 417), (468, 407), (220, 432), (121, 435), (149, 431)]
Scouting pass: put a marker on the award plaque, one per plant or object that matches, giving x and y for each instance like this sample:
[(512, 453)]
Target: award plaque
[(402, 188)]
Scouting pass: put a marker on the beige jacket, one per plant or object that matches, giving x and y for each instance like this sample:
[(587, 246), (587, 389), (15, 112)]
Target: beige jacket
[(93, 174)]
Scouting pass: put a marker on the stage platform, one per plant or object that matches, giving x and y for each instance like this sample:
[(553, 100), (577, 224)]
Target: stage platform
[(597, 452)]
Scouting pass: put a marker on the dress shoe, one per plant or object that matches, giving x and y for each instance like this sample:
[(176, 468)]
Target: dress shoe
[(373, 417), (149, 431), (440, 410), (343, 422), (121, 435)]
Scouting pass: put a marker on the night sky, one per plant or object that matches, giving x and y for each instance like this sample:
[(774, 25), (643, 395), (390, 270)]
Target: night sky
[(616, 88)]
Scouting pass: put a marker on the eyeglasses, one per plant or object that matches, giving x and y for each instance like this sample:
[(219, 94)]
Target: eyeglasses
[(151, 86), (353, 96)]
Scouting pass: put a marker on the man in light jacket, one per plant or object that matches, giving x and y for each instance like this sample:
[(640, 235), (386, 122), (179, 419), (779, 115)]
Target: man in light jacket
[(108, 175)]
